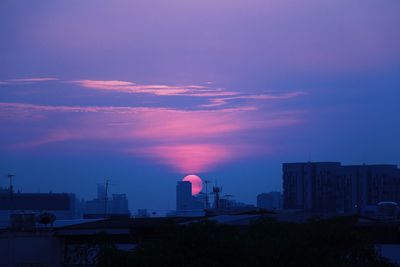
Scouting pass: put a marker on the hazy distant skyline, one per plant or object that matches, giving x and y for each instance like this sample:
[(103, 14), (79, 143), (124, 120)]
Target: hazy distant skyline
[(146, 92)]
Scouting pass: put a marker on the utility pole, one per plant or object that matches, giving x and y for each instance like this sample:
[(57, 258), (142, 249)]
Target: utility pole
[(11, 236), (11, 189)]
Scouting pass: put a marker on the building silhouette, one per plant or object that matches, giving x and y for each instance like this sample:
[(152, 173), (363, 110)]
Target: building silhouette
[(331, 187), (271, 200), (185, 202), (103, 206), (62, 205)]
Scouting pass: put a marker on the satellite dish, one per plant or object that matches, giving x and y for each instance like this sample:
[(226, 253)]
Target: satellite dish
[(46, 218)]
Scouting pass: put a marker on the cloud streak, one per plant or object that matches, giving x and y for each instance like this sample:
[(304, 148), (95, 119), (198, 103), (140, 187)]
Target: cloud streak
[(156, 89), (33, 80), (215, 102), (216, 96)]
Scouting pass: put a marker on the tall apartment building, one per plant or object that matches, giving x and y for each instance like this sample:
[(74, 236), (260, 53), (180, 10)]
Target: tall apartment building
[(331, 187)]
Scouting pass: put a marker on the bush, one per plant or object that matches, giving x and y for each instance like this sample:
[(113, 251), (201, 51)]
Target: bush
[(265, 243)]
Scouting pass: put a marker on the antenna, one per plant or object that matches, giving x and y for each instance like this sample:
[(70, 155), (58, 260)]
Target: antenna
[(206, 182), (216, 191)]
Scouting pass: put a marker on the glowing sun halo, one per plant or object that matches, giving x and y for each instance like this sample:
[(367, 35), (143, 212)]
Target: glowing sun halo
[(197, 183)]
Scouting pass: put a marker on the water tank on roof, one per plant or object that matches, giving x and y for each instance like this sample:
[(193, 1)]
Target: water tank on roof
[(388, 210), (46, 218)]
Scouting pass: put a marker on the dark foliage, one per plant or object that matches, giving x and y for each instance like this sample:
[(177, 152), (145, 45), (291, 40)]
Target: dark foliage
[(265, 243)]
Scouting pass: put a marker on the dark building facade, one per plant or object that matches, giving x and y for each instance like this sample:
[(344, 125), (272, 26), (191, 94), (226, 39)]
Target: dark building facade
[(331, 187), (105, 206), (184, 200)]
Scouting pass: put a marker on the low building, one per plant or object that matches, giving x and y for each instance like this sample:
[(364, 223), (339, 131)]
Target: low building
[(62, 205), (270, 201), (102, 206)]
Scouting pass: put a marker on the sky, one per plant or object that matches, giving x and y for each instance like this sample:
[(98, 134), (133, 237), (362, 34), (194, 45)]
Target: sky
[(146, 92)]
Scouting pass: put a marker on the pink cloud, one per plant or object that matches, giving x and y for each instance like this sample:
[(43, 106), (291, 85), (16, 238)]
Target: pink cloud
[(198, 157), (155, 89), (218, 96), (131, 87), (191, 158), (185, 140)]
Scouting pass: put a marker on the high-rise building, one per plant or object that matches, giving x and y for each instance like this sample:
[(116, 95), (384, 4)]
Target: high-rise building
[(331, 187), (305, 183), (183, 195), (271, 200), (184, 199)]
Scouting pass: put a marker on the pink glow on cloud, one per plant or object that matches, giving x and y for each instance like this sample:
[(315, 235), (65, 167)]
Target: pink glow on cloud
[(131, 87), (192, 158), (155, 89), (189, 141)]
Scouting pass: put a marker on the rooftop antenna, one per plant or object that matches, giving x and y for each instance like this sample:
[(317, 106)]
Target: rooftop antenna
[(206, 182), (216, 191)]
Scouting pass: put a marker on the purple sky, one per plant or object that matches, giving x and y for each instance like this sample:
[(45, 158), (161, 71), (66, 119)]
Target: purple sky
[(146, 92)]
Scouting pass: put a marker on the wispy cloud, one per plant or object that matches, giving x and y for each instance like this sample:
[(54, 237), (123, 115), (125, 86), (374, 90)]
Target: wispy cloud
[(91, 109), (133, 88), (215, 102), (212, 97), (215, 96), (33, 79)]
